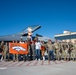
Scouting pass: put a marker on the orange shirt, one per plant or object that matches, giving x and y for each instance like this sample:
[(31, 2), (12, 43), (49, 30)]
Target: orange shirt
[(42, 47)]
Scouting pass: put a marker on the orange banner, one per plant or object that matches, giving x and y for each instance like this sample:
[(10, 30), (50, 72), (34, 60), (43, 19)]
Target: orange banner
[(18, 48)]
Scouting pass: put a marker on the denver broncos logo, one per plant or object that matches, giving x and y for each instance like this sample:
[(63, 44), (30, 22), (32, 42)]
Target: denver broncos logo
[(18, 48)]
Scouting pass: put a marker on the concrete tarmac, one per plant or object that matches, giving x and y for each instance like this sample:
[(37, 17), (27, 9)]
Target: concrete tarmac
[(38, 68)]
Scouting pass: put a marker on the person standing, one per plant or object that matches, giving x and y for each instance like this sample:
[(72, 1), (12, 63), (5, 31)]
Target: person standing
[(71, 50), (30, 50), (38, 47), (2, 50), (50, 48), (43, 50), (74, 48), (5, 51), (21, 56), (57, 49), (33, 49), (15, 56)]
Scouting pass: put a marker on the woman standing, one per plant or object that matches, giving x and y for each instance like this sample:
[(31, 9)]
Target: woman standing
[(43, 49)]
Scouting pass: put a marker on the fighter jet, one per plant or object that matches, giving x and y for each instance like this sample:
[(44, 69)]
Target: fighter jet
[(22, 35)]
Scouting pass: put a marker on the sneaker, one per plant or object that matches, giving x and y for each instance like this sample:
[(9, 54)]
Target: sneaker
[(36, 59), (43, 58), (2, 58), (39, 59)]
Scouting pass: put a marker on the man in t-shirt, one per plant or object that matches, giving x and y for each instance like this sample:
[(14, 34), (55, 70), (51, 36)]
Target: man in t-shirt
[(38, 47)]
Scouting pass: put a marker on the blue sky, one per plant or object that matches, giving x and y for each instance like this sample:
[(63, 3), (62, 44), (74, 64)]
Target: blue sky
[(54, 16)]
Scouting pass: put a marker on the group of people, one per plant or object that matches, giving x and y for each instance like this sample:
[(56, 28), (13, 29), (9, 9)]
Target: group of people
[(37, 50)]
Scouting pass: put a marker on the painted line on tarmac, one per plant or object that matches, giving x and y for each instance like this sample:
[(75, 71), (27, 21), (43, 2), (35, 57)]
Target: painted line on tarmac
[(3, 68), (14, 63), (29, 63), (35, 63), (8, 63), (42, 62), (21, 64), (61, 61), (49, 62), (55, 62)]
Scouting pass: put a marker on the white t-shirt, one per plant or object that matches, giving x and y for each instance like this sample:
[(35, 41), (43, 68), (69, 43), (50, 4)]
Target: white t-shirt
[(21, 42), (38, 45)]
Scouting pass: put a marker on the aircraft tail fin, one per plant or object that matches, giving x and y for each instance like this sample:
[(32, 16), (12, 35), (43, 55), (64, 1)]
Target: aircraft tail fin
[(33, 27)]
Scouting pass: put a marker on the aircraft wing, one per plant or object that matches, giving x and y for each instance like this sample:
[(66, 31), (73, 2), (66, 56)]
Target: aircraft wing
[(20, 35), (12, 37)]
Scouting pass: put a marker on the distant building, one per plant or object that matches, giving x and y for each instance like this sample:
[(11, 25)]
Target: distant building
[(67, 35)]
